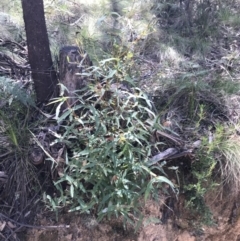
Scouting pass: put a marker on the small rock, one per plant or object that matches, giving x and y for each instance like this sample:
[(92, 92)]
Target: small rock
[(183, 224)]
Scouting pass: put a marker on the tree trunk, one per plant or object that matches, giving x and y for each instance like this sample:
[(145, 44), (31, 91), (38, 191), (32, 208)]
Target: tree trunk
[(43, 73), (72, 62)]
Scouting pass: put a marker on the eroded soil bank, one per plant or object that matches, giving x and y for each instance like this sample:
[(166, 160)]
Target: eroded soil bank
[(180, 225)]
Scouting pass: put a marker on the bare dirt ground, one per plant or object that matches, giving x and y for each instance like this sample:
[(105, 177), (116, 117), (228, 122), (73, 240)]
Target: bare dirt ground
[(180, 225)]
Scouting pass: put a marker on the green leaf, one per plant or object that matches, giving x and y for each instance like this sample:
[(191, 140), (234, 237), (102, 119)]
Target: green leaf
[(158, 179), (58, 110), (72, 191), (111, 74), (64, 115)]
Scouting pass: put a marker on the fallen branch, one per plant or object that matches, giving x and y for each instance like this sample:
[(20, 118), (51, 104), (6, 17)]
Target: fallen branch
[(34, 226), (5, 154), (173, 153), (9, 42), (163, 155), (175, 139)]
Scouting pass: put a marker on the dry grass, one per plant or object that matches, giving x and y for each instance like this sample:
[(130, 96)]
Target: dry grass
[(230, 164)]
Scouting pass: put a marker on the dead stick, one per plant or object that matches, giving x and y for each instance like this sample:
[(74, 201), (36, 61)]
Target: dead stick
[(33, 226)]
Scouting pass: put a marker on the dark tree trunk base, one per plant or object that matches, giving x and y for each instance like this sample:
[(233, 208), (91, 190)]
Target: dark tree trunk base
[(72, 62)]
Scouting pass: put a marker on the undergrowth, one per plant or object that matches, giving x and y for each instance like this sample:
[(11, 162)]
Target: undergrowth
[(108, 135), (21, 181), (187, 49), (179, 38)]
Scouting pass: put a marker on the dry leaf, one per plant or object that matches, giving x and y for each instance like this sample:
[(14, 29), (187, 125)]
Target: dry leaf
[(2, 225), (10, 225)]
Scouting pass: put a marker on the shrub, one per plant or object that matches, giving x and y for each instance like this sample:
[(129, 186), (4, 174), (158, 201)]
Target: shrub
[(108, 138)]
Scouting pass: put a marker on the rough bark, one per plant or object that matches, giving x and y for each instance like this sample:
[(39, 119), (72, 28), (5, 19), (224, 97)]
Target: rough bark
[(43, 73), (72, 62)]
